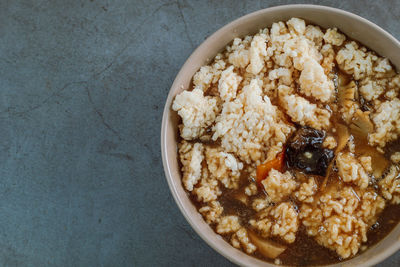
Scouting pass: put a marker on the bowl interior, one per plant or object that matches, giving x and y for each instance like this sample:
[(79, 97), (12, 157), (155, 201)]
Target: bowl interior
[(352, 25)]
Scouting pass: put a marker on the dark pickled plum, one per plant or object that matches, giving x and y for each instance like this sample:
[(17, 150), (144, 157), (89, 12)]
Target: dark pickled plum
[(305, 152)]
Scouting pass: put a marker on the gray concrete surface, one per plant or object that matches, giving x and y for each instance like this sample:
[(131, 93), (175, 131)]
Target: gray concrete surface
[(82, 86)]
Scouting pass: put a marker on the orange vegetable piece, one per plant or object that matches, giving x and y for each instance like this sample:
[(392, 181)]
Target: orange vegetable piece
[(264, 169)]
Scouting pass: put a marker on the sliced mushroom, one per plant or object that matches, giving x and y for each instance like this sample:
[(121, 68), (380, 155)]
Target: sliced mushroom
[(241, 196), (347, 94), (347, 100), (360, 127), (343, 135), (343, 79), (361, 124), (267, 248), (378, 161)]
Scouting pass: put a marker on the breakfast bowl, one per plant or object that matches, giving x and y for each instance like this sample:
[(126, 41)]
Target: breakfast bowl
[(351, 27)]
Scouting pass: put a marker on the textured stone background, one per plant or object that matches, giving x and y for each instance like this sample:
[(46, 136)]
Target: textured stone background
[(83, 85)]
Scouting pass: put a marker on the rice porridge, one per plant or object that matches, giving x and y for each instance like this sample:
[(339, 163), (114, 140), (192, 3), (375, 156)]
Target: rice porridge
[(289, 144)]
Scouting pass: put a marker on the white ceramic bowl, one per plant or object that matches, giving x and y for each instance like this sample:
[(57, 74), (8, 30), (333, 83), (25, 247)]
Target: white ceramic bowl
[(352, 25)]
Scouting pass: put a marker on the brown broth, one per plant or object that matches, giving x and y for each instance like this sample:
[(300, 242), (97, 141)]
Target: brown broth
[(305, 251)]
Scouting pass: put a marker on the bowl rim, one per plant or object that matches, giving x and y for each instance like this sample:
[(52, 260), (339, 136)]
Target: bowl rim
[(372, 261)]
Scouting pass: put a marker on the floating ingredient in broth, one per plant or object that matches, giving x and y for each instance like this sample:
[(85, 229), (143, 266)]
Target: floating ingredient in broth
[(361, 127), (278, 164), (361, 124), (242, 197), (379, 163), (266, 247), (342, 79), (347, 94), (305, 152), (343, 137)]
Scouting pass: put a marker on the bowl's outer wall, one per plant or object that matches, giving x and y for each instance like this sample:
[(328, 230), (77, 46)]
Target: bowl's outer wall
[(353, 26)]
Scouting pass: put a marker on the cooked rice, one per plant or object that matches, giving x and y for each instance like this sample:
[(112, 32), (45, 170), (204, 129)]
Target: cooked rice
[(242, 110)]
